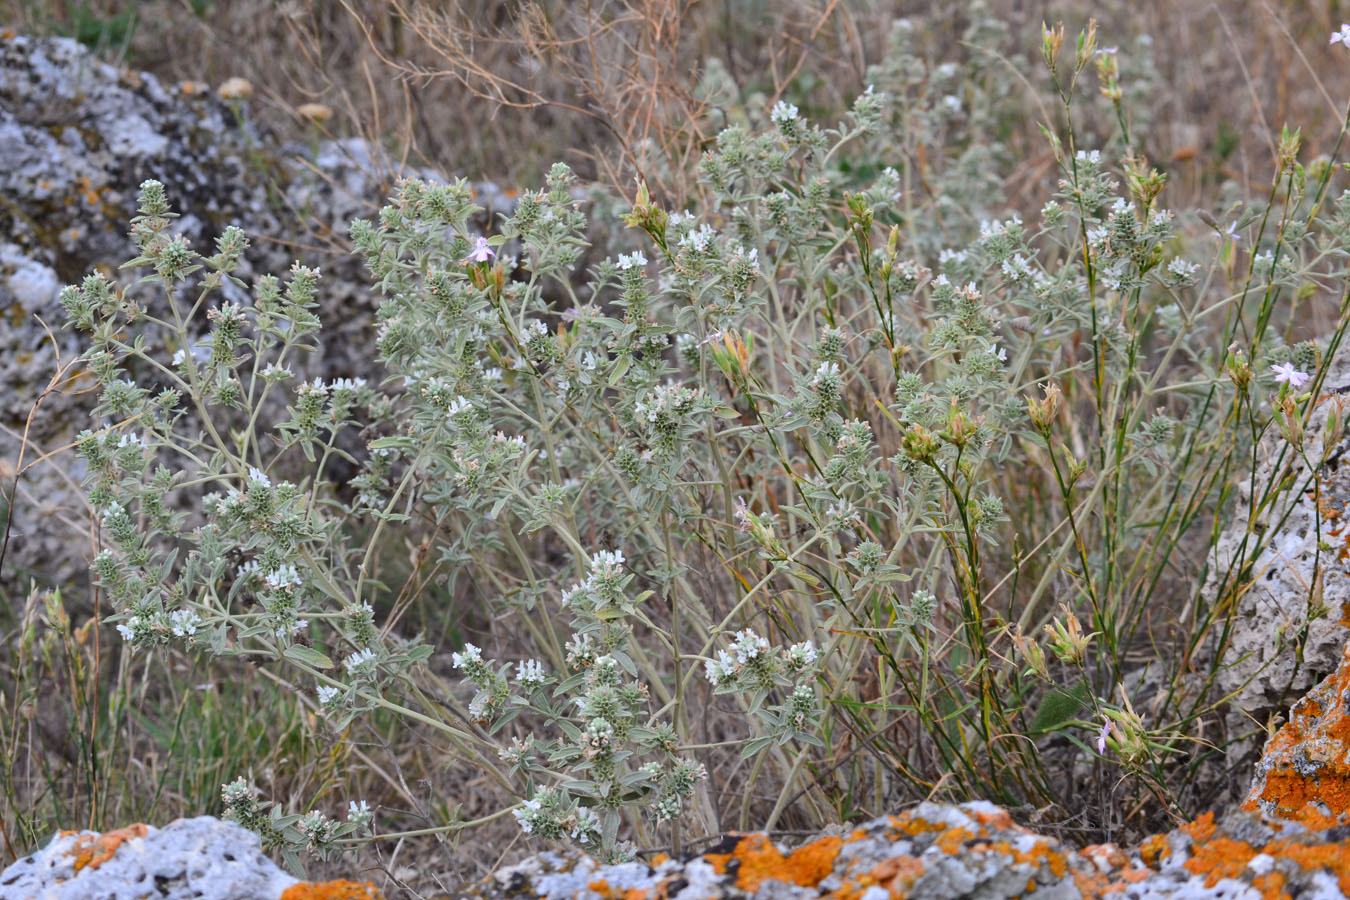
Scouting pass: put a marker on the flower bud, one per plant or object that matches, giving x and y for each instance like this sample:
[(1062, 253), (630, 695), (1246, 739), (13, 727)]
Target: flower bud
[(1067, 640)]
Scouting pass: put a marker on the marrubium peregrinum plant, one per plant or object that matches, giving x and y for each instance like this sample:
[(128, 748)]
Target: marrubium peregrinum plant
[(829, 494)]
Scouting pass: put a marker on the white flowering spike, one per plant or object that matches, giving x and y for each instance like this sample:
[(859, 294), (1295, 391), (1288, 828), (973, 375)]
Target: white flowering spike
[(783, 113), (531, 673)]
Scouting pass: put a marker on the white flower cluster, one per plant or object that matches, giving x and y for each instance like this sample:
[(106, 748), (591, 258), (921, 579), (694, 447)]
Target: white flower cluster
[(669, 399), (531, 674), (751, 655), (698, 241), (362, 662), (783, 113)]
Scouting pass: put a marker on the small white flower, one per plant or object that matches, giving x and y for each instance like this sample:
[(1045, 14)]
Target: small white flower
[(274, 372), (360, 660), (1286, 373), (470, 656), (698, 241), (1179, 267), (749, 646), (803, 654), (457, 406), (258, 477), (1000, 352), (358, 813), (1342, 36), (126, 631), (531, 673), (633, 260), (327, 694), (603, 560), (183, 622), (825, 370), (783, 113), (283, 578)]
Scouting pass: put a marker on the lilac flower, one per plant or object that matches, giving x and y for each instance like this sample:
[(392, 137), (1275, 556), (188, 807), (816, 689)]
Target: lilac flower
[(1286, 373), (481, 252), (1102, 735), (1342, 36)]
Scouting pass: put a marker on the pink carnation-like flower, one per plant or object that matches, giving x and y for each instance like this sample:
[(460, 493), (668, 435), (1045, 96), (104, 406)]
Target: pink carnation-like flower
[(1286, 373)]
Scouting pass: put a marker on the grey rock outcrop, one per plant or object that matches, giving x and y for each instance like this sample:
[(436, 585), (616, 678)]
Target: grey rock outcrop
[(202, 858), (933, 852), (1279, 643), (77, 137)]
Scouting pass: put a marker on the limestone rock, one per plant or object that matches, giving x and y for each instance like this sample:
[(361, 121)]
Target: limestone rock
[(939, 852), (77, 137), (1304, 774), (1263, 665), (190, 859)]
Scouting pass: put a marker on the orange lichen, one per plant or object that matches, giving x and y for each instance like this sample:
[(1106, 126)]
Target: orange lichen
[(331, 890), (1154, 850), (1307, 780), (760, 860), (1220, 858), (1271, 886), (93, 851), (952, 840), (718, 861), (1334, 858), (895, 875), (997, 819), (1042, 853), (1202, 829)]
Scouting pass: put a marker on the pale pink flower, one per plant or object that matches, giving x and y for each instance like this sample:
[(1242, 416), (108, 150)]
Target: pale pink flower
[(481, 251), (1286, 373)]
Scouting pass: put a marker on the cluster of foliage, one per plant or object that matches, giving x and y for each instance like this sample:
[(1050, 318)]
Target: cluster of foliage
[(831, 492)]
